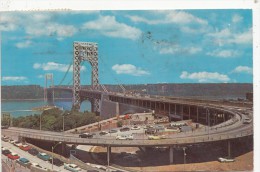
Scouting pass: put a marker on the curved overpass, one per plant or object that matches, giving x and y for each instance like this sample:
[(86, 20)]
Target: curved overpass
[(230, 129)]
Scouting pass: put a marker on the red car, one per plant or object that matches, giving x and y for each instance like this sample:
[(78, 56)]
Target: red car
[(25, 147), (13, 156)]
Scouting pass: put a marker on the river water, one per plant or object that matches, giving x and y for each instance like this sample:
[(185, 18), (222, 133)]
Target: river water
[(20, 107)]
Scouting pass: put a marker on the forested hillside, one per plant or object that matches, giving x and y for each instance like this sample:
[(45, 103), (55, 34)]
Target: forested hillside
[(21, 92)]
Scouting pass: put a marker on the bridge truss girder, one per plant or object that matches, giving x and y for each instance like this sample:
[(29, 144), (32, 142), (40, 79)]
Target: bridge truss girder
[(85, 51)]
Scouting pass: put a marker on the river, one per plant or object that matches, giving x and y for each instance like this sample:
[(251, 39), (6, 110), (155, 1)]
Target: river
[(19, 107)]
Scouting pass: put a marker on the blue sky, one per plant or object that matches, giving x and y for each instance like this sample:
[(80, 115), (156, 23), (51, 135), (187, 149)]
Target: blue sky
[(135, 47)]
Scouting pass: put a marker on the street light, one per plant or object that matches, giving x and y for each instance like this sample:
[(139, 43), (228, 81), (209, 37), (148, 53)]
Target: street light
[(52, 148), (41, 121), (208, 114), (63, 121), (184, 157)]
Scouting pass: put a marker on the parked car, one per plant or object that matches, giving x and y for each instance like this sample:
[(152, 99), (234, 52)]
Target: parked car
[(150, 131), (124, 129), (24, 162), (226, 159), (56, 161), (18, 144), (13, 141), (13, 156), (5, 138), (135, 127), (173, 128), (112, 131), (86, 135), (25, 147), (43, 156), (159, 127), (124, 137), (33, 151), (72, 167), (156, 137), (38, 167), (6, 152), (103, 133), (247, 121)]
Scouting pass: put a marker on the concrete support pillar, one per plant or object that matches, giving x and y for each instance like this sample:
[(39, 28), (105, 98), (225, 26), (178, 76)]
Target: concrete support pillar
[(175, 110), (117, 108), (108, 154), (171, 154), (189, 112), (182, 112), (229, 148), (63, 148), (169, 112), (206, 117), (197, 113)]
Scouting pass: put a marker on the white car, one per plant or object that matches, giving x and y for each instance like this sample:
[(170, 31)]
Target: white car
[(37, 166), (226, 159), (18, 144), (72, 167), (13, 141), (135, 127), (124, 137)]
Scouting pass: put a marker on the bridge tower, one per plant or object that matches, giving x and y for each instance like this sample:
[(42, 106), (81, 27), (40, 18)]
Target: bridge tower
[(85, 51), (48, 77)]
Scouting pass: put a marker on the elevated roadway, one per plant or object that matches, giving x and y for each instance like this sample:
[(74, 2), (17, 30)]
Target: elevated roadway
[(232, 129)]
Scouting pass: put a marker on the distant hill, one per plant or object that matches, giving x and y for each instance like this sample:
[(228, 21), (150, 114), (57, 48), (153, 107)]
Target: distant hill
[(22, 92), (206, 91)]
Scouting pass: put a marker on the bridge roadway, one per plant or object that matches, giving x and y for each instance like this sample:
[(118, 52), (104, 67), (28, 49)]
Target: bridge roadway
[(122, 98)]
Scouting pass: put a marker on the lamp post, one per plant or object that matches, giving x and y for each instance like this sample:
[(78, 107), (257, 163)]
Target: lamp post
[(208, 114), (52, 148), (63, 121), (41, 121), (184, 157)]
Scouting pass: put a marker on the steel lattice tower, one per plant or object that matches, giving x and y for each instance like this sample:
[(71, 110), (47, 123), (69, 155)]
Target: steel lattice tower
[(48, 77), (85, 51)]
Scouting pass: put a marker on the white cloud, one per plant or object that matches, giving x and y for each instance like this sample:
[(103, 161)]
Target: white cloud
[(52, 66), (108, 26), (224, 53), (205, 76), (129, 69), (138, 19), (184, 17), (14, 78), (51, 29), (40, 76), (243, 69), (24, 44), (36, 25), (174, 48), (236, 18), (226, 36), (166, 17), (8, 22)]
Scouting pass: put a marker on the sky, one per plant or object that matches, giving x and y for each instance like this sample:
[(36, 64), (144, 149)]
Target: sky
[(134, 47)]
